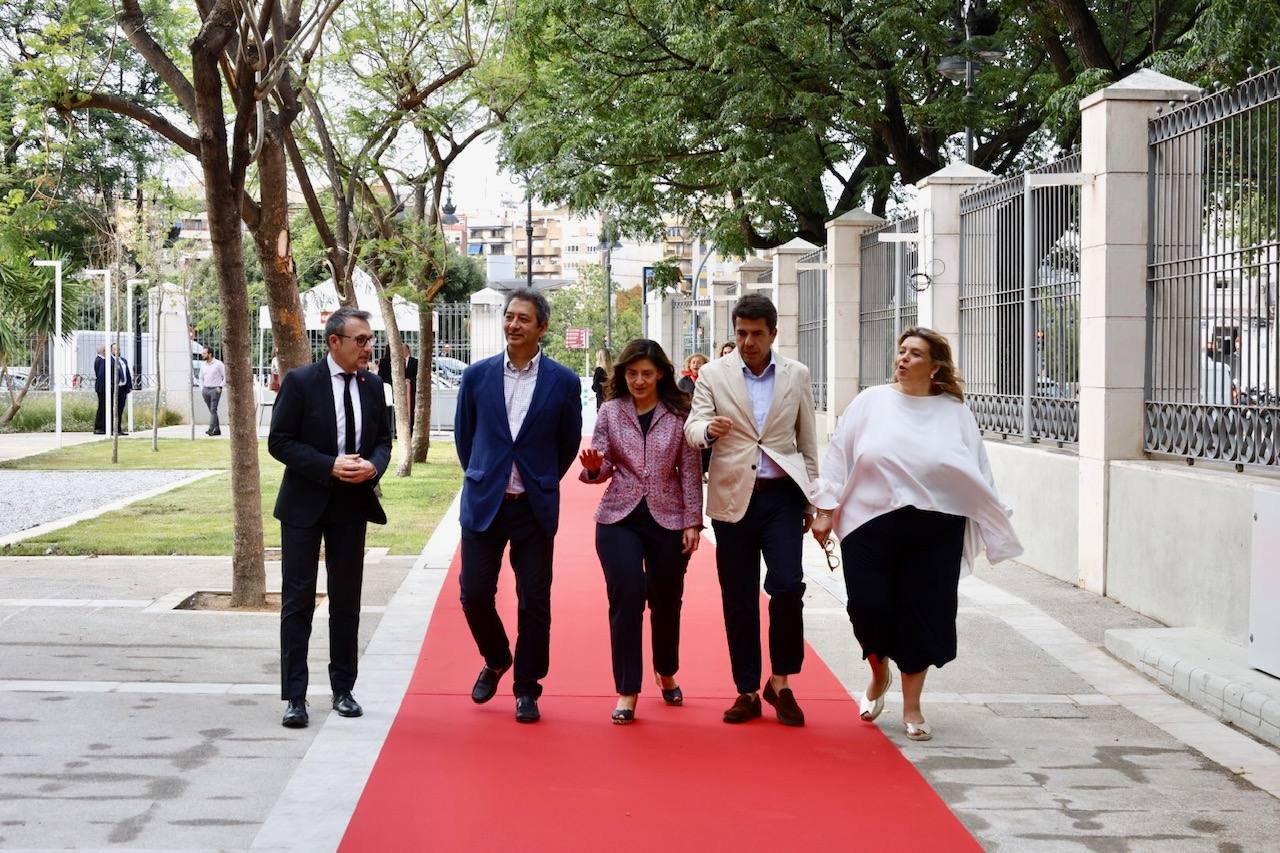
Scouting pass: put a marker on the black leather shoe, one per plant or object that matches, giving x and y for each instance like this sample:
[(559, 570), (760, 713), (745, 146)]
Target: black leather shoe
[(527, 710), (346, 705), (295, 716), (784, 702), (487, 684), (745, 707)]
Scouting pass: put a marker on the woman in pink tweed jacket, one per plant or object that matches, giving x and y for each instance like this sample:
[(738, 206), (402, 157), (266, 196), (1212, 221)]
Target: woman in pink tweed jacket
[(649, 521)]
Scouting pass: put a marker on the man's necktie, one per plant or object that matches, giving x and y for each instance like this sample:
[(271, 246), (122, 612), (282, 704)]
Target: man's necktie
[(350, 411)]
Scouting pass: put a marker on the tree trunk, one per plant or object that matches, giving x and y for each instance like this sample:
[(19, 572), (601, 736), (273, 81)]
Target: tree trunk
[(15, 403), (422, 417), (222, 199), (399, 385), (275, 252)]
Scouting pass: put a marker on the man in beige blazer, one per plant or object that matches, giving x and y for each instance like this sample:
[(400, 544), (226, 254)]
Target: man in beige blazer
[(756, 408)]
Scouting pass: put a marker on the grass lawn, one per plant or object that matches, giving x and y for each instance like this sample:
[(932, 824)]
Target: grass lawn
[(196, 519)]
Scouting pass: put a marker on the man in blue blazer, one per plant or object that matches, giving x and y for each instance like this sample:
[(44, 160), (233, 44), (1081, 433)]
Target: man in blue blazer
[(517, 430), (329, 427)]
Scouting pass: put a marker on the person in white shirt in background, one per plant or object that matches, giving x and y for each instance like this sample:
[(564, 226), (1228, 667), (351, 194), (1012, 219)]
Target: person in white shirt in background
[(907, 488), (213, 376)]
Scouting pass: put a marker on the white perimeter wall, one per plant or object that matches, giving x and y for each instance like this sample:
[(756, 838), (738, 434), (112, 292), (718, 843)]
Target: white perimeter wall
[(1180, 544), (1042, 486)]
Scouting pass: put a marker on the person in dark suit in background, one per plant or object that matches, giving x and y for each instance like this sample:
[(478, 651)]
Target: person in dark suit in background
[(329, 428), (100, 389), (411, 385), (517, 430), (123, 384)]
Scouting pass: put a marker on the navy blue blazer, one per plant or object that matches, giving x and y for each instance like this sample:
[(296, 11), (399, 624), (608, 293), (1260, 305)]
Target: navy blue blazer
[(543, 451), (304, 436)]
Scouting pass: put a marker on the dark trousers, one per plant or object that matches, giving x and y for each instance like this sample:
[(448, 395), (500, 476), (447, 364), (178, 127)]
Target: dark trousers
[(531, 553), (122, 397), (642, 561), (773, 527), (100, 416), (342, 529), (211, 398), (902, 570)]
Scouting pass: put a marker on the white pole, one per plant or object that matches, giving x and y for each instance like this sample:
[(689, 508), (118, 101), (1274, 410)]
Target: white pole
[(129, 310), (57, 344)]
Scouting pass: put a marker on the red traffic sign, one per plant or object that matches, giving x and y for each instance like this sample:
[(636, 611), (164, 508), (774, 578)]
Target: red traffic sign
[(577, 338)]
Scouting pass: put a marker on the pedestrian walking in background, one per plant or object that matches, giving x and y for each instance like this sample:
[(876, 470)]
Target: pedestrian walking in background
[(726, 348), (411, 385), (600, 377), (906, 486), (756, 407), (213, 376), (649, 521)]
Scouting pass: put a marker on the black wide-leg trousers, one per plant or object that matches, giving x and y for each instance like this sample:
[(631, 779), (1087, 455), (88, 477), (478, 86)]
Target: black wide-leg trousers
[(902, 572), (773, 527), (643, 562), (342, 528)]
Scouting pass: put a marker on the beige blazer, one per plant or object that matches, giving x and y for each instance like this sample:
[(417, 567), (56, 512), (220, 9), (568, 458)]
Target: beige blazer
[(789, 436)]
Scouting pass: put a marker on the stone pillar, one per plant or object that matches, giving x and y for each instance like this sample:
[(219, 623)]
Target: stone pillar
[(166, 312), (1113, 273), (722, 299), (786, 294), (486, 323), (844, 296), (939, 208), (658, 310)]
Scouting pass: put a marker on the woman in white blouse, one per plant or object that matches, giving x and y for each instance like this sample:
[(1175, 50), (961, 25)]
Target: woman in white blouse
[(906, 486)]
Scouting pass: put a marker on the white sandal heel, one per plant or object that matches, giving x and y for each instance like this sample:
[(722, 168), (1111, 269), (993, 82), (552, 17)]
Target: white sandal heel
[(918, 731), (869, 709)]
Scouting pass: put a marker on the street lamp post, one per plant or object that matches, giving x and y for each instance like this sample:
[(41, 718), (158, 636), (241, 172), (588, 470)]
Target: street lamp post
[(57, 343), (608, 244), (528, 234), (980, 25)]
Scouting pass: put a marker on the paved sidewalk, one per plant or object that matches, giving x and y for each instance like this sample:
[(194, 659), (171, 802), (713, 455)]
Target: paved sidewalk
[(15, 445), (128, 725)]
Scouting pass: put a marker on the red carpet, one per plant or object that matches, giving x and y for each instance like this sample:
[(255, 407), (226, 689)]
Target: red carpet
[(455, 776)]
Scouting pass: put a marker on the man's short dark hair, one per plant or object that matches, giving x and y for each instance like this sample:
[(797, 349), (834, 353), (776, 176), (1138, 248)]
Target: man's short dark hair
[(756, 306), (337, 322), (541, 306)]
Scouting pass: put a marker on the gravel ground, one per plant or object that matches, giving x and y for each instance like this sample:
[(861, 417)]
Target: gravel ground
[(29, 498)]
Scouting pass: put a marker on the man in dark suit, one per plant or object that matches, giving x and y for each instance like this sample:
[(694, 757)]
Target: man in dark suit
[(411, 384), (329, 428), (118, 390), (100, 389), (517, 430)]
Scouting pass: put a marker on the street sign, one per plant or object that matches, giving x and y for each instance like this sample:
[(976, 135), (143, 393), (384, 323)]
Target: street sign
[(577, 338)]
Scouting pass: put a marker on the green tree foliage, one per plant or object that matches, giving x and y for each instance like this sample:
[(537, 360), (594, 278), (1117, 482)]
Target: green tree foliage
[(756, 122), (581, 305)]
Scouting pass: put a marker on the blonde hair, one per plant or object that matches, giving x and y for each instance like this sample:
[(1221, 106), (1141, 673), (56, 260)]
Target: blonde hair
[(688, 362), (946, 379), (604, 360)]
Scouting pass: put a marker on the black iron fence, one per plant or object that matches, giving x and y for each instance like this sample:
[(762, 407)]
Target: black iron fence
[(887, 300), (811, 273), (1212, 360)]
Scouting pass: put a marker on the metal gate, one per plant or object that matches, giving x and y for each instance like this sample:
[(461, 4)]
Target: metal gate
[(811, 272), (888, 302), (1212, 361), (1019, 348), (690, 329)]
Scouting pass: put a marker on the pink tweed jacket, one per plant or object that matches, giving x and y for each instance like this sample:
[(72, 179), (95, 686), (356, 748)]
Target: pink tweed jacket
[(662, 468)]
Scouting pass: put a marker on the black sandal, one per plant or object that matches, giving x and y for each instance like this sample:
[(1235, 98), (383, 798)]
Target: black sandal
[(674, 696), (623, 716)]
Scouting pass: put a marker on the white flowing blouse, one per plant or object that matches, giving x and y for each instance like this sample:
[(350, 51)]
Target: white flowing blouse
[(894, 450)]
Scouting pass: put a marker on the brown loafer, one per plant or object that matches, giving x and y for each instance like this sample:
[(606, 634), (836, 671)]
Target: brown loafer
[(784, 702), (745, 707)]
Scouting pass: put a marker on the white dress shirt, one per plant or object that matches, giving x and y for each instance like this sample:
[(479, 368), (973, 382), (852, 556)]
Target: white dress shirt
[(213, 374), (760, 390), (339, 383), (517, 389), (894, 450)]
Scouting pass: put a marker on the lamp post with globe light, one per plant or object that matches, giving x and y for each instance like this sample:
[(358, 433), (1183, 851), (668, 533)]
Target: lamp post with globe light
[(980, 26)]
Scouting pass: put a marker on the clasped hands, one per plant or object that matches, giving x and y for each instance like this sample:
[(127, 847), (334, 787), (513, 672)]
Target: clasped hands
[(351, 468)]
